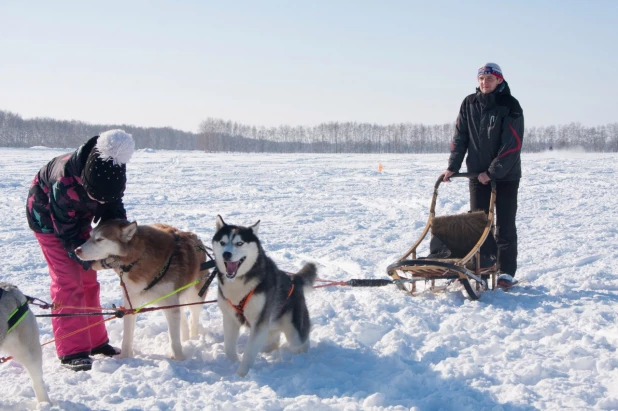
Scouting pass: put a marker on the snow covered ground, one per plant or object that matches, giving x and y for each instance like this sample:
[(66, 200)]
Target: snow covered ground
[(549, 344)]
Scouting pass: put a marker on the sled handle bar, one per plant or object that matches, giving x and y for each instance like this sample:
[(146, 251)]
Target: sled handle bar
[(463, 175)]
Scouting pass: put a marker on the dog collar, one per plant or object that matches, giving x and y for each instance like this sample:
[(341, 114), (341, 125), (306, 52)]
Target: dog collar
[(127, 268)]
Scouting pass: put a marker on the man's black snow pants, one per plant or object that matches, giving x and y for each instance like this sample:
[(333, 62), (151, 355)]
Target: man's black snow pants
[(506, 211)]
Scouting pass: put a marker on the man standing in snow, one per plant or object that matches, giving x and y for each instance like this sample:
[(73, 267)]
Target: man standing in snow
[(490, 129), (67, 194)]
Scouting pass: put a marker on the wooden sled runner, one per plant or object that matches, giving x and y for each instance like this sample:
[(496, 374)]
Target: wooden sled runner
[(463, 235)]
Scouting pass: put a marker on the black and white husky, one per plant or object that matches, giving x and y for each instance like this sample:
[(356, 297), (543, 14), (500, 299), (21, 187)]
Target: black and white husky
[(19, 336), (255, 293)]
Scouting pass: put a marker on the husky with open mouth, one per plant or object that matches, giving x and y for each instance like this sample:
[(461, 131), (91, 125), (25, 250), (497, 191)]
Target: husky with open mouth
[(255, 293)]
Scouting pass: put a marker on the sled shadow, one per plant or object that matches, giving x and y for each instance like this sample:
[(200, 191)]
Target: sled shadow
[(530, 298)]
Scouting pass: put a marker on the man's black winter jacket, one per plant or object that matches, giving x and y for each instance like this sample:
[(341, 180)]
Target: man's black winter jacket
[(490, 128)]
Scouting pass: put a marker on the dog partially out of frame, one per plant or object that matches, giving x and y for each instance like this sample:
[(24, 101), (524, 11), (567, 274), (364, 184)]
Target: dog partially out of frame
[(19, 336), (153, 261), (255, 293)]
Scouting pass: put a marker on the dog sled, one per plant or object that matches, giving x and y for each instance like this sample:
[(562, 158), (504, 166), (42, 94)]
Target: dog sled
[(455, 251)]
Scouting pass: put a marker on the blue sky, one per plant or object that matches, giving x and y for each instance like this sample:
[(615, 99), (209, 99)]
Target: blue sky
[(175, 63)]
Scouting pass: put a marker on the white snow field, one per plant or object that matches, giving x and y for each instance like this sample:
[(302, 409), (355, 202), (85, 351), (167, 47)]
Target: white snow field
[(547, 344)]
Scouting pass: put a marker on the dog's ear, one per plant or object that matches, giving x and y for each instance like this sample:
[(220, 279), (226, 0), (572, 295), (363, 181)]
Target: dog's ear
[(220, 223), (255, 227), (128, 232)]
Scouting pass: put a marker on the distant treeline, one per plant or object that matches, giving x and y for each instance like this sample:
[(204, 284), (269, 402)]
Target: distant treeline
[(17, 132), (221, 135), (218, 135)]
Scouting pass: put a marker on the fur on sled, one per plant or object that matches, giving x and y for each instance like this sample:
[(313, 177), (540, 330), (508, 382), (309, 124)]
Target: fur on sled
[(459, 232)]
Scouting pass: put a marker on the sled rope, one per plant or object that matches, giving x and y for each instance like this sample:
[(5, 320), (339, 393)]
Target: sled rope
[(57, 306), (204, 266), (356, 282), (141, 308), (114, 313), (123, 311), (120, 311), (78, 331), (5, 359), (138, 309)]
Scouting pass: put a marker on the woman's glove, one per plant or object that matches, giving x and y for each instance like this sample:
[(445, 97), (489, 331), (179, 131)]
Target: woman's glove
[(110, 263), (84, 264)]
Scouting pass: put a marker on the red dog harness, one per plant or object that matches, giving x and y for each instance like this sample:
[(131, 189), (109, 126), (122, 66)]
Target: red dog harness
[(240, 308)]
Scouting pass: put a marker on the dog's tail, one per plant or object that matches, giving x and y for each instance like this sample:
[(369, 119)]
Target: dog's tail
[(306, 277)]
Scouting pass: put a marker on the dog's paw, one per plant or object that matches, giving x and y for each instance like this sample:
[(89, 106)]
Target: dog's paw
[(297, 349), (232, 357), (242, 371), (178, 356), (271, 347), (123, 355), (125, 352)]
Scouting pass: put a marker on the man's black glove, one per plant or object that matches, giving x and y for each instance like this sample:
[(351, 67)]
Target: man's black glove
[(85, 264)]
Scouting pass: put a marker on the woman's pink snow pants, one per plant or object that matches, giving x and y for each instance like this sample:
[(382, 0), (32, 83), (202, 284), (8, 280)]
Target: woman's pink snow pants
[(72, 286)]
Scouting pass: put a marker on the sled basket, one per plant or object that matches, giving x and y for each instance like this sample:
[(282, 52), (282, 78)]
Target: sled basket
[(455, 250)]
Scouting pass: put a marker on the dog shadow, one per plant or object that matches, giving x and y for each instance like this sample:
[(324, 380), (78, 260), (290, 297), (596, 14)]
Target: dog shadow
[(330, 371)]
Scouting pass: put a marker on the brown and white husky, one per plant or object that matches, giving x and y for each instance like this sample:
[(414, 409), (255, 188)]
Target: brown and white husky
[(153, 261)]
